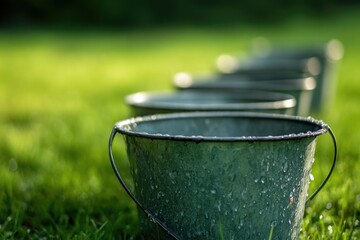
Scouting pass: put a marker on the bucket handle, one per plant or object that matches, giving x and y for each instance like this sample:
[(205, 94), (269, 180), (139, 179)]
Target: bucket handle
[(127, 189), (331, 169)]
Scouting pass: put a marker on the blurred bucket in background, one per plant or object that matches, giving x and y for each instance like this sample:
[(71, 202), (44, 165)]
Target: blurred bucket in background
[(328, 54), (301, 88), (260, 68), (147, 103)]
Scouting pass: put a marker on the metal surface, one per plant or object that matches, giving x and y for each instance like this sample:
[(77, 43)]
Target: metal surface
[(147, 103), (328, 54), (220, 175), (301, 88)]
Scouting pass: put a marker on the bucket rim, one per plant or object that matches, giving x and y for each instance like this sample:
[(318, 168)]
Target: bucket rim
[(232, 83), (258, 100), (123, 126)]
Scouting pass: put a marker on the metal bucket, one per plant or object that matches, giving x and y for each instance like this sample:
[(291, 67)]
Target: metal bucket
[(258, 67), (146, 103), (300, 88), (220, 175), (328, 55)]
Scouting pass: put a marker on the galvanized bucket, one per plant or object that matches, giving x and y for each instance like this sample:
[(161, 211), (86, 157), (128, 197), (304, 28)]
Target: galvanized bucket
[(328, 55), (147, 103), (300, 88), (259, 67), (220, 175)]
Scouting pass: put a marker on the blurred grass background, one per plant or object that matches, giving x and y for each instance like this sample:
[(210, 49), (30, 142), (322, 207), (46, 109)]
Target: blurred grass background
[(62, 91)]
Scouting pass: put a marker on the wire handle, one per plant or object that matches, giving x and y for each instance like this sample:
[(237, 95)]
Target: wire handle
[(127, 189), (331, 169)]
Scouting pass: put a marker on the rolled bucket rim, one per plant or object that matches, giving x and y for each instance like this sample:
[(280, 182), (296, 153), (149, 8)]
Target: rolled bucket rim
[(268, 100), (121, 126), (303, 84)]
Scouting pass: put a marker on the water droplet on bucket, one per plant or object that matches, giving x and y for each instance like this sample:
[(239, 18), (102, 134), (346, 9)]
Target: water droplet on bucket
[(311, 177), (160, 194), (243, 194), (218, 206), (241, 223), (285, 167), (173, 174), (262, 179)]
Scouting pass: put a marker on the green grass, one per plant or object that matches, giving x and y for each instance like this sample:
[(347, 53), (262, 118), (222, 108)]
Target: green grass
[(61, 93)]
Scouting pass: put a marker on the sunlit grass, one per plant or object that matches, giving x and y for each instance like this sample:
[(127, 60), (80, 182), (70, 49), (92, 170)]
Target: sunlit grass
[(61, 93)]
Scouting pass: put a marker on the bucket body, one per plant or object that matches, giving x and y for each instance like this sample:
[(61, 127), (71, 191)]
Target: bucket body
[(258, 67), (147, 103), (328, 56), (301, 88), (221, 175)]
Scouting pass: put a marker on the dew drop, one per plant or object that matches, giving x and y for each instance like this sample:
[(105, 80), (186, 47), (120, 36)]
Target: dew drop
[(173, 174), (243, 194), (160, 194), (285, 167), (242, 222), (312, 178), (262, 179)]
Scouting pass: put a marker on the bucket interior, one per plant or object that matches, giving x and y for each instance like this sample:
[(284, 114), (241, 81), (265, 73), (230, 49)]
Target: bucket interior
[(225, 126)]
